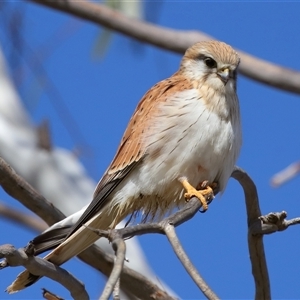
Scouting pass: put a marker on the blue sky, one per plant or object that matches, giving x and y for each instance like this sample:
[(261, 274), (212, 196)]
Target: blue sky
[(101, 95)]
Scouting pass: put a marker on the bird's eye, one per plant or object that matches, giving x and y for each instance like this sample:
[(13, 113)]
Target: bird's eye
[(211, 63)]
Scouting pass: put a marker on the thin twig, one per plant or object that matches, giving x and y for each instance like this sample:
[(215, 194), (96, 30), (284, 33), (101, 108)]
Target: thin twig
[(255, 242), (120, 250), (292, 222), (139, 285), (174, 40), (190, 268)]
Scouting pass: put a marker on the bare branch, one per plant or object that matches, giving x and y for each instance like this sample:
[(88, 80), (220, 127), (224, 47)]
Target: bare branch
[(292, 222), (132, 282), (116, 291), (120, 249), (40, 267), (255, 242), (165, 227), (178, 249), (22, 218), (286, 174), (176, 219), (174, 40)]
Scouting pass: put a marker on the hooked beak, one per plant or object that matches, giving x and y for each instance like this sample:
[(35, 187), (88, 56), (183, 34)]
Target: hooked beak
[(224, 75)]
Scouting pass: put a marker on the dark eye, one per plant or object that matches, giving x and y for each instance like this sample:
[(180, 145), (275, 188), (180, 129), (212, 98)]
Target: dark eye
[(211, 63)]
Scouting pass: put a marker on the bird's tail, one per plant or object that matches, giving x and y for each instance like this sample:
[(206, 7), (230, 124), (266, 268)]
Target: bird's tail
[(72, 246)]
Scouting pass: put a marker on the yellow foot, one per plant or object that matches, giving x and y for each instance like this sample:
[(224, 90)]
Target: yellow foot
[(206, 190)]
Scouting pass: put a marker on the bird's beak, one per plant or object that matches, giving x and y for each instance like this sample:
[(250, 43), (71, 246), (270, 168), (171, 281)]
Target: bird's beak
[(224, 74)]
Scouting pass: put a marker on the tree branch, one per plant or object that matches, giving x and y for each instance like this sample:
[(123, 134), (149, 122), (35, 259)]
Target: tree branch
[(40, 267), (255, 242), (120, 249), (22, 218), (178, 249), (174, 40)]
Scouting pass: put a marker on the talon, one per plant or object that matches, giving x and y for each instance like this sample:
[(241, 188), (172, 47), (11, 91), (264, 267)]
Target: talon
[(191, 192)]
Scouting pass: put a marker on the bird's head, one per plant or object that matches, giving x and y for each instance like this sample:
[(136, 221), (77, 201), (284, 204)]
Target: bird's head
[(211, 63)]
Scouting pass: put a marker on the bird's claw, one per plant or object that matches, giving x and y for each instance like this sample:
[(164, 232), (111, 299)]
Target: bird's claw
[(206, 191)]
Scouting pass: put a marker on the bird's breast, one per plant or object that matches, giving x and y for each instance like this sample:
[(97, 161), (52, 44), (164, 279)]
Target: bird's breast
[(186, 140), (192, 140)]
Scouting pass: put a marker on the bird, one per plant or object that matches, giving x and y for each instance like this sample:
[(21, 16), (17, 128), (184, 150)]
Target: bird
[(182, 140)]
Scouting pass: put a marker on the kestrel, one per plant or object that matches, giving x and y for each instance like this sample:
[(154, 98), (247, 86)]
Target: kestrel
[(185, 131)]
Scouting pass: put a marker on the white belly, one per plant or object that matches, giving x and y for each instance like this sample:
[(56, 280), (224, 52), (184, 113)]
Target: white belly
[(192, 142)]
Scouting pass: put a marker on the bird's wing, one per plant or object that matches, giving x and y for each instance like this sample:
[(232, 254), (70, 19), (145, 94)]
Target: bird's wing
[(132, 148)]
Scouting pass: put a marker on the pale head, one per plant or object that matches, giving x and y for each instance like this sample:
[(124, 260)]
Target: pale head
[(212, 63)]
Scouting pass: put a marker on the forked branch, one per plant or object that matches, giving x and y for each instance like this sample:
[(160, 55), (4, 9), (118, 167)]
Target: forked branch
[(167, 227)]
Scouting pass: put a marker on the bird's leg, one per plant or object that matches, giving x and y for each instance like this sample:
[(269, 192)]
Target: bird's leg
[(204, 190)]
